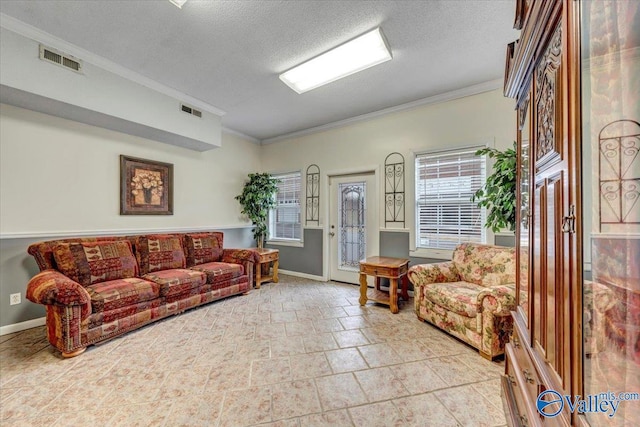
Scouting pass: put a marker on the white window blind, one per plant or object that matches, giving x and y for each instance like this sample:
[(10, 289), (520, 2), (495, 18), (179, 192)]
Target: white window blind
[(285, 218), (445, 182)]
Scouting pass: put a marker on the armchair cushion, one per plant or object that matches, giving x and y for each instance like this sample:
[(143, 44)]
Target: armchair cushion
[(484, 264), (458, 297), (160, 252), (94, 262)]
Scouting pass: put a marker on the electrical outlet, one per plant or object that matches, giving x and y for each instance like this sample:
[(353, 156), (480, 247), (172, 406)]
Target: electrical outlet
[(14, 299)]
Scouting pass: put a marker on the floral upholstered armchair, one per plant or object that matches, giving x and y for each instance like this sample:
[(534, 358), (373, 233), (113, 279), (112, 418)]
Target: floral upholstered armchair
[(469, 297)]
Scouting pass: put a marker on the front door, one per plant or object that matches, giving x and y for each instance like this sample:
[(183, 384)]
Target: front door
[(353, 224)]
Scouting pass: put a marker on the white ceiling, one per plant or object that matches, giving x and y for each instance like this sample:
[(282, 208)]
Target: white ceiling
[(229, 53)]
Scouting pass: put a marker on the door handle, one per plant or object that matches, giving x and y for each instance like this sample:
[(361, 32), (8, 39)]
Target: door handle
[(331, 233), (569, 221)]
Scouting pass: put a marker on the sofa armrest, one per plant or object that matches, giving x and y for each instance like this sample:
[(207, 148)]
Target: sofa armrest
[(239, 256), (424, 274), (500, 300), (245, 257), (50, 287)]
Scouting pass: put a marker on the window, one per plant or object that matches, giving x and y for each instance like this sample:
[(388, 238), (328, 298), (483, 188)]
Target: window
[(284, 222), (445, 214)]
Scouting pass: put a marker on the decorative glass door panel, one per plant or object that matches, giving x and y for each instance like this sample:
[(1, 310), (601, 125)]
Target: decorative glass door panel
[(610, 102), (353, 224), (352, 242)]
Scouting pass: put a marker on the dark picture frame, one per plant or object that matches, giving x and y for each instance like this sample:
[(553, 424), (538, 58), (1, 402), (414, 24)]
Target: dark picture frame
[(146, 187)]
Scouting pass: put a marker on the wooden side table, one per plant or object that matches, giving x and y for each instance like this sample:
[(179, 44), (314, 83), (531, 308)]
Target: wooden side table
[(267, 256), (392, 268)]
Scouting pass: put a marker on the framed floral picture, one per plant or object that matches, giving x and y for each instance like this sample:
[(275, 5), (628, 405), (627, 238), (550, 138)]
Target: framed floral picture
[(146, 187)]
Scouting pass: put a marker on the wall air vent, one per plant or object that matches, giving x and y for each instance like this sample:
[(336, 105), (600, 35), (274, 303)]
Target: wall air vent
[(59, 58), (190, 110)]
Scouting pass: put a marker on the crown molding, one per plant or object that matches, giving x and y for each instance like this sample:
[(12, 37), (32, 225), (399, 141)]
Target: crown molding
[(33, 33), (240, 134), (436, 99)]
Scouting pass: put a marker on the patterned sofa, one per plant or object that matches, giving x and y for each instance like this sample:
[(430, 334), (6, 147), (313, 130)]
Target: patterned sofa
[(97, 288), (469, 297)]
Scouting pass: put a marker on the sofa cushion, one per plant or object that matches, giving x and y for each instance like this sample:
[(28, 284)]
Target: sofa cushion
[(142, 311), (459, 297), (94, 262), (160, 252), (203, 247), (121, 292), (220, 271), (485, 265), (177, 280)]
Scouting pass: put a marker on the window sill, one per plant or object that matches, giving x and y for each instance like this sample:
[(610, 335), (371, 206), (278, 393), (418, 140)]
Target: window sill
[(292, 243), (443, 254)]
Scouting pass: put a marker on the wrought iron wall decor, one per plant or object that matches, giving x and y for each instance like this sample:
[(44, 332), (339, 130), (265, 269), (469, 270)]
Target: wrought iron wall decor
[(313, 195), (619, 172), (394, 189)]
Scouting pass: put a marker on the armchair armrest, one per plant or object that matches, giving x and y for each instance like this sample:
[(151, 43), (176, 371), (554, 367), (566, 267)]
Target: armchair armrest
[(598, 296), (424, 274), (50, 287), (499, 299)]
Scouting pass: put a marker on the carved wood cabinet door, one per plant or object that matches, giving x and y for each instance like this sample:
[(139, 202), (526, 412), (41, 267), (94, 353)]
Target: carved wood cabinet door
[(550, 204), (539, 356)]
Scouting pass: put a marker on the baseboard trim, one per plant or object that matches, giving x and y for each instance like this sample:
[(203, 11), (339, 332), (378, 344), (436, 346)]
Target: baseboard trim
[(303, 275), (17, 327)]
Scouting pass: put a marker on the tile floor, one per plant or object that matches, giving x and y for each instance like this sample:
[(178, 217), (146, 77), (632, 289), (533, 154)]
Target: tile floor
[(297, 353)]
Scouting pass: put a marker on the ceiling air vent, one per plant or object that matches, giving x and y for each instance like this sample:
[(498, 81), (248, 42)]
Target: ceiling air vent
[(60, 58), (191, 110)]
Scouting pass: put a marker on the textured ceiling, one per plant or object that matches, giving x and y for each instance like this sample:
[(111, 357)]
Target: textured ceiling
[(229, 53)]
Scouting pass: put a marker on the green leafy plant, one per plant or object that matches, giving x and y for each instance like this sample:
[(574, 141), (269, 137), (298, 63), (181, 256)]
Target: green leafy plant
[(257, 198), (498, 194)]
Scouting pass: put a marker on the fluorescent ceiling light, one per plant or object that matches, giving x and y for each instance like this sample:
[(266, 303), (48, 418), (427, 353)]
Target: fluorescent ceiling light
[(356, 55), (178, 3)]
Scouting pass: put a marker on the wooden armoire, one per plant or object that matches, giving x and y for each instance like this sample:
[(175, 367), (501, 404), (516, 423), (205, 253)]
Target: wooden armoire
[(574, 74)]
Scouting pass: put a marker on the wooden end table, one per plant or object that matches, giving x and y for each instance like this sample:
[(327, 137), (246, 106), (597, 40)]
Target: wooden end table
[(266, 256), (393, 269)]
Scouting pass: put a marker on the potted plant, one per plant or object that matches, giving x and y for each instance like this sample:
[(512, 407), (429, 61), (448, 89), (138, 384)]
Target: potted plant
[(257, 198), (498, 194)]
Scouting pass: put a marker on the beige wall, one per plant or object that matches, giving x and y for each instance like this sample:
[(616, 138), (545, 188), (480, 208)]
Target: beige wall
[(487, 118), (61, 176)]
